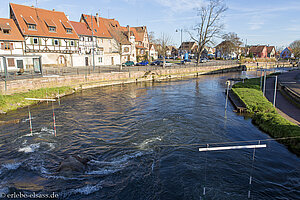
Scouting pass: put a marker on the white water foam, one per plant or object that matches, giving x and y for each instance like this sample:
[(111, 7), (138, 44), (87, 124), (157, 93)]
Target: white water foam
[(102, 172), (47, 130), (29, 149), (11, 166), (145, 143), (86, 190)]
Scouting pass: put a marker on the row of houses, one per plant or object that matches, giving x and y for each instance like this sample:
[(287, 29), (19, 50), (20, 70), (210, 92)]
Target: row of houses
[(34, 36), (224, 50)]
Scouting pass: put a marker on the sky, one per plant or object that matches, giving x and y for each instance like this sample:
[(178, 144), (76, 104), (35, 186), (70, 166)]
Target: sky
[(264, 22)]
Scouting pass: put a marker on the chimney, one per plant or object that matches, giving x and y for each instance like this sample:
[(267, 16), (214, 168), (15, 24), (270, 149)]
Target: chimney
[(53, 9), (128, 29), (32, 6), (97, 19)]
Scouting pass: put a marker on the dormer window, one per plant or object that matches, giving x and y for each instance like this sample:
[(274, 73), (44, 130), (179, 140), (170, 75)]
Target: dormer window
[(31, 27), (68, 27), (31, 24), (5, 28), (69, 30), (51, 25), (52, 29), (6, 31)]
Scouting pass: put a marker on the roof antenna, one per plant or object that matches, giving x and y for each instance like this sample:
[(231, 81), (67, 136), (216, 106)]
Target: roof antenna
[(36, 2), (108, 13)]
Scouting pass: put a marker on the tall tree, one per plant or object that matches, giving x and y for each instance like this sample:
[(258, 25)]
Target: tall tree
[(209, 25), (164, 42), (295, 46)]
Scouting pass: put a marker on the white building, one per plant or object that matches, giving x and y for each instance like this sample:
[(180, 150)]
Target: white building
[(11, 46), (46, 33)]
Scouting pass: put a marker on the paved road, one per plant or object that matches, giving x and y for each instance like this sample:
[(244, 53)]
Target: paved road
[(283, 106), (64, 71)]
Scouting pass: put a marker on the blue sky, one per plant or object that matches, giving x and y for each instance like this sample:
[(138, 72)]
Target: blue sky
[(273, 22)]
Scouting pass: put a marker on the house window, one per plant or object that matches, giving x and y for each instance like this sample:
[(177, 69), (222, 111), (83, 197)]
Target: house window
[(31, 27), (69, 30), (100, 60), (72, 43), (55, 42), (110, 49), (6, 31), (11, 62), (101, 52), (126, 49), (35, 41), (7, 46), (52, 29)]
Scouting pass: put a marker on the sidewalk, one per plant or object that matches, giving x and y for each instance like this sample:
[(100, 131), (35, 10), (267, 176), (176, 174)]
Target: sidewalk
[(283, 105)]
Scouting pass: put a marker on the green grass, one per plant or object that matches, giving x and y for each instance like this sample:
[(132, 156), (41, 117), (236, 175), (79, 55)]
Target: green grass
[(264, 114), (15, 101)]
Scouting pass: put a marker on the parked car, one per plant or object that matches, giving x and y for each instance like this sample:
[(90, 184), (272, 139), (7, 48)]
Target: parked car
[(128, 63), (156, 62), (167, 63), (143, 63), (185, 61), (203, 60)]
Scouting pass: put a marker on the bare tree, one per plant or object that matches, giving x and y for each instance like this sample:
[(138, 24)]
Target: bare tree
[(209, 25), (295, 46), (164, 42), (231, 44)]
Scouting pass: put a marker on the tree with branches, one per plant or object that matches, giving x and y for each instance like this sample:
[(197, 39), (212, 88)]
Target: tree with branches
[(209, 25), (295, 46), (163, 43)]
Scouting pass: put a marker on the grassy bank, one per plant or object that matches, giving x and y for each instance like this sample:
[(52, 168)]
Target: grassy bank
[(15, 101), (265, 116)]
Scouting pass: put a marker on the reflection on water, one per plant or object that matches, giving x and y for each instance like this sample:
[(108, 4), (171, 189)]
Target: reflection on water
[(123, 130)]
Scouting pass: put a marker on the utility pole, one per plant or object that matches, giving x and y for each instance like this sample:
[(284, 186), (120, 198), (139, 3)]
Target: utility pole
[(93, 43), (177, 30), (274, 101)]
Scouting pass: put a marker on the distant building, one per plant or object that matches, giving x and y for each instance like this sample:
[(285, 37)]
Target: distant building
[(271, 51), (286, 53), (259, 51), (153, 53), (11, 46)]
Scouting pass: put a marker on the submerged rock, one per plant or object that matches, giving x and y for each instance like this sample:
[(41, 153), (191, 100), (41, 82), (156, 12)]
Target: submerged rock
[(73, 164)]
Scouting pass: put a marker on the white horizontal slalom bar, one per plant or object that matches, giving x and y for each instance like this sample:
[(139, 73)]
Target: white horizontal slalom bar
[(233, 147), (34, 99)]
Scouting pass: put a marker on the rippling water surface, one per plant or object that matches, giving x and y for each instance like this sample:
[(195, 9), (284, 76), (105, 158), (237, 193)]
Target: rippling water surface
[(127, 131)]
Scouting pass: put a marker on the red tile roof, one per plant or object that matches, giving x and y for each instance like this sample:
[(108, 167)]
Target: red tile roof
[(257, 49), (270, 49), (14, 33), (81, 28), (100, 30), (29, 15)]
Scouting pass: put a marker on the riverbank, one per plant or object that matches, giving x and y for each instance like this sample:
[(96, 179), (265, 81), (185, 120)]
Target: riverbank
[(54, 87), (265, 116), (16, 101)]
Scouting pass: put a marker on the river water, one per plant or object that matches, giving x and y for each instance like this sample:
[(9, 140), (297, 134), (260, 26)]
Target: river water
[(128, 131)]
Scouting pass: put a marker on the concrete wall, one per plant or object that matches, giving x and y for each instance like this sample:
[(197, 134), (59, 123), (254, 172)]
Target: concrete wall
[(99, 79)]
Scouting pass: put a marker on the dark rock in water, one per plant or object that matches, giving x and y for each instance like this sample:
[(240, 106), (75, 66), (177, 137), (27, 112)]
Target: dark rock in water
[(73, 164)]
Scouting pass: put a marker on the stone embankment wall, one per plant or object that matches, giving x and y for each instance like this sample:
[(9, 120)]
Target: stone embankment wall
[(102, 79)]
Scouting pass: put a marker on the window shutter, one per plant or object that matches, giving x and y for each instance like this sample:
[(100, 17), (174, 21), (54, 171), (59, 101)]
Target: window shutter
[(31, 40), (2, 46), (59, 42), (40, 41), (75, 43), (52, 42), (12, 46)]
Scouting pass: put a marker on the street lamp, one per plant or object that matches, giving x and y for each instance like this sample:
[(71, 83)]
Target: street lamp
[(177, 30)]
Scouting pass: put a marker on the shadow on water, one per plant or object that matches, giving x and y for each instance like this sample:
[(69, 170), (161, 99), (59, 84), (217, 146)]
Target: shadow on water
[(133, 136)]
